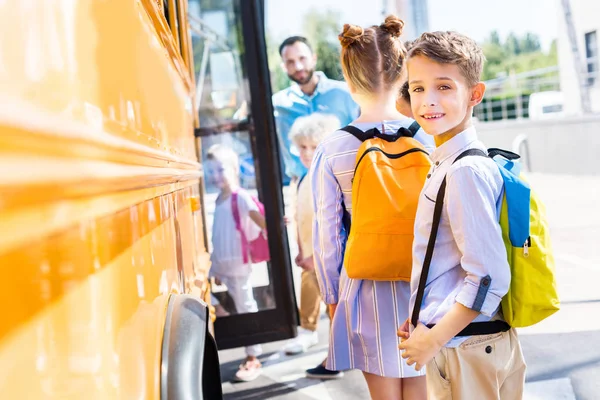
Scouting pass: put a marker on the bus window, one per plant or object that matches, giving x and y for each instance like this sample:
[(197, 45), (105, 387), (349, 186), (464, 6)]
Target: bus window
[(225, 103)]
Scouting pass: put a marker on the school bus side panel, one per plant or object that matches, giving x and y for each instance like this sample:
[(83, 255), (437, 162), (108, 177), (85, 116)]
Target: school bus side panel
[(99, 213)]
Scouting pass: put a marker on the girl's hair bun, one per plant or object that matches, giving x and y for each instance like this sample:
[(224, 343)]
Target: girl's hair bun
[(350, 35), (393, 25)]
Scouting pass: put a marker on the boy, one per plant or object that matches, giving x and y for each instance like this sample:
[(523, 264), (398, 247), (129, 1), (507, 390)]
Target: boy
[(468, 273), (306, 133)]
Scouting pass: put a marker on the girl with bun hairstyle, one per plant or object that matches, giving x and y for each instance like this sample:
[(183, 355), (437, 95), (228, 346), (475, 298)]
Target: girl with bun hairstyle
[(365, 314)]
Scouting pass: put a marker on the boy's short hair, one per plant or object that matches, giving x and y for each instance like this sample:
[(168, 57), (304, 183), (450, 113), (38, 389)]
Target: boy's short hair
[(451, 48), (313, 127), (223, 154)]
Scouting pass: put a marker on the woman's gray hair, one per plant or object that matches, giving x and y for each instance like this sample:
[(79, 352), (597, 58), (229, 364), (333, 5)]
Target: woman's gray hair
[(313, 127)]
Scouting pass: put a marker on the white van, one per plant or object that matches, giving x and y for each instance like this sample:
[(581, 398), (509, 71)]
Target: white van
[(546, 105)]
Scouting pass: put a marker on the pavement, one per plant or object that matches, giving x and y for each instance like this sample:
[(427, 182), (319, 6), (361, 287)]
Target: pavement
[(562, 352)]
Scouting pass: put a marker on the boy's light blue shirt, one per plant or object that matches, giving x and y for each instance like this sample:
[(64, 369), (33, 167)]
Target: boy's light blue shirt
[(469, 264), (330, 97)]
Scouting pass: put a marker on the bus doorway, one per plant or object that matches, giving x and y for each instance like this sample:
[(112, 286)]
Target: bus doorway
[(236, 119)]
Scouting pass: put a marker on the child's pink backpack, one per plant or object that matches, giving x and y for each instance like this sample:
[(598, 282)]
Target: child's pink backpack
[(258, 249)]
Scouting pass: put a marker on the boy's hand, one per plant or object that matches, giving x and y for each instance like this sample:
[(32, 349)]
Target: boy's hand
[(404, 331), (420, 347)]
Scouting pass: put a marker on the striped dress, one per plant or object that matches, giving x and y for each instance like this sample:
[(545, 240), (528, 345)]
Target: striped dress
[(369, 313)]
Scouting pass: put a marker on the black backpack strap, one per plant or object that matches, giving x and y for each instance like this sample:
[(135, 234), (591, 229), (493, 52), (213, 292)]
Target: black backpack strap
[(374, 132), (470, 152), (357, 133), (346, 219), (509, 155), (300, 181), (437, 216), (414, 128)]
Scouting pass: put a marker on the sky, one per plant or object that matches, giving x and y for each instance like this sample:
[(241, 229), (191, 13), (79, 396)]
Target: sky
[(475, 18)]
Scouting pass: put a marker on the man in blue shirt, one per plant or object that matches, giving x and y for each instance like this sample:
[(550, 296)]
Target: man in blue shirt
[(312, 92)]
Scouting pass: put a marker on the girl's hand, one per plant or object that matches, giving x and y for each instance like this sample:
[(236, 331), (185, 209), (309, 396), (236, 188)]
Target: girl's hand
[(404, 331), (420, 347), (298, 259), (308, 264)]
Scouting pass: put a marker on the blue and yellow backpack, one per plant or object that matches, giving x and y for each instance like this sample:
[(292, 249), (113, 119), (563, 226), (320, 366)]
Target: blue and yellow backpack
[(532, 295)]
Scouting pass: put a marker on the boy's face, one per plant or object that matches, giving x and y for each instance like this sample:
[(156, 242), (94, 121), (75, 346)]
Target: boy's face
[(441, 99), (306, 148)]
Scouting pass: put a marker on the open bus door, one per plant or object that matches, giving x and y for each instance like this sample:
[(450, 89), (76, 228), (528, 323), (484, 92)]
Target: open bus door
[(235, 109)]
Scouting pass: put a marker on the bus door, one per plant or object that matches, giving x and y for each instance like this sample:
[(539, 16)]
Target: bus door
[(236, 114)]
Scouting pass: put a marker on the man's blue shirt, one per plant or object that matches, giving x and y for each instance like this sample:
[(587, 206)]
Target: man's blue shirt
[(330, 97)]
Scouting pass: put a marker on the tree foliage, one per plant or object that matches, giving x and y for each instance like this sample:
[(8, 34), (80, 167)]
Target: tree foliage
[(516, 54), (321, 28)]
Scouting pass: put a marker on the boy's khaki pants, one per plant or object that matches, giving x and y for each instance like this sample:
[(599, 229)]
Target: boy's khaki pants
[(310, 301), (484, 367)]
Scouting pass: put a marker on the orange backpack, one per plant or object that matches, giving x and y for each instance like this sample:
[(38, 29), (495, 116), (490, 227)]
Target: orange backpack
[(389, 175)]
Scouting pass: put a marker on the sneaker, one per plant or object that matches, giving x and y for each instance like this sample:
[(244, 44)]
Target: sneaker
[(302, 342), (249, 371), (320, 372)]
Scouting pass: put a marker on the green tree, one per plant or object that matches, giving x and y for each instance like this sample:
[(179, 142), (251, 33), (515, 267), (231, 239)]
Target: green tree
[(279, 79), (495, 38), (321, 28), (515, 55), (512, 45), (530, 43)]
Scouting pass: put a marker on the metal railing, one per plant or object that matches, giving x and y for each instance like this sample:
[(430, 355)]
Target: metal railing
[(508, 97)]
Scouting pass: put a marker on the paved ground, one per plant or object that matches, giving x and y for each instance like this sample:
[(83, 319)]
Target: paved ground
[(563, 352)]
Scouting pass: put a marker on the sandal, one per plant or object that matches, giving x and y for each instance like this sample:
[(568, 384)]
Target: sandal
[(249, 370)]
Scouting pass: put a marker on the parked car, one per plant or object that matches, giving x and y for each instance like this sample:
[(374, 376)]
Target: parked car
[(546, 105)]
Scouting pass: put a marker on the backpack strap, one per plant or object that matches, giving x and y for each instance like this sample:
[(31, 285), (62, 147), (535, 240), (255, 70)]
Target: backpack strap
[(357, 133), (300, 181), (374, 132), (235, 210), (509, 155), (437, 216), (414, 128)]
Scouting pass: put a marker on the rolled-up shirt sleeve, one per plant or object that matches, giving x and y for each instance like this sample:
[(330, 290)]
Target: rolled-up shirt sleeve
[(471, 205), (329, 237)]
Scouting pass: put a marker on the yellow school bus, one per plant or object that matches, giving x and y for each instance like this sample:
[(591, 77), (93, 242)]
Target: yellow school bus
[(104, 214), (102, 253)]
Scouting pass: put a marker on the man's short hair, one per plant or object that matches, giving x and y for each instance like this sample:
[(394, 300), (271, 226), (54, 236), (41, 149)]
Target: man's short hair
[(294, 39), (451, 48), (313, 127)]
